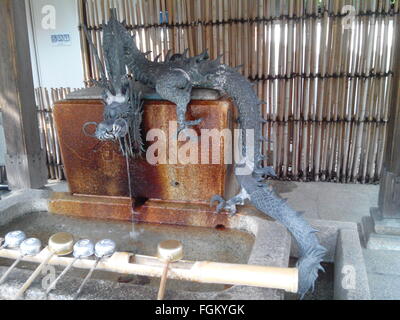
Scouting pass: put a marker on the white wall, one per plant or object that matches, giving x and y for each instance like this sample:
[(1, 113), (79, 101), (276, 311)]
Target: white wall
[(55, 65)]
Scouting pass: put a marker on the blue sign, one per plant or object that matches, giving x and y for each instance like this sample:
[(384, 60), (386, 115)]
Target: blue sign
[(61, 39)]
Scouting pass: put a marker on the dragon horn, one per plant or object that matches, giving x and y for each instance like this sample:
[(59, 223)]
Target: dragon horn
[(168, 55), (156, 58), (202, 56), (219, 57)]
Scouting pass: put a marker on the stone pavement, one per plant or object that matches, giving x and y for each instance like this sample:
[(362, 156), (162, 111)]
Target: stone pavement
[(348, 202)]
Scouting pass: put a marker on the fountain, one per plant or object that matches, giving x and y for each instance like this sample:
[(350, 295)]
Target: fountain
[(118, 195)]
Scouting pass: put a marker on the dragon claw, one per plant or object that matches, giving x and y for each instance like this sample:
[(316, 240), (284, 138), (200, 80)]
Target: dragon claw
[(266, 171), (221, 202), (229, 206)]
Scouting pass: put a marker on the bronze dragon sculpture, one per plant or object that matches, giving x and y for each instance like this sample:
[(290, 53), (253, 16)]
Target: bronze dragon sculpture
[(123, 106), (173, 80)]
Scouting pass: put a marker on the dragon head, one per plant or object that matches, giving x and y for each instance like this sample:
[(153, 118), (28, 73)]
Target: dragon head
[(122, 104), (116, 116)]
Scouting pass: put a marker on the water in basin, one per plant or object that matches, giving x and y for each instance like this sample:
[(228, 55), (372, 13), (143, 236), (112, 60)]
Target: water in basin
[(226, 245)]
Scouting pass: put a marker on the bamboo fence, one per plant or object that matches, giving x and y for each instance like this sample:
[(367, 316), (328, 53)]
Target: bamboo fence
[(327, 88), (45, 99)]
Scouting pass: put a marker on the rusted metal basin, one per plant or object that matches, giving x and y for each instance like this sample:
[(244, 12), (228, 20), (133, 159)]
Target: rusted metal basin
[(91, 167), (97, 168)]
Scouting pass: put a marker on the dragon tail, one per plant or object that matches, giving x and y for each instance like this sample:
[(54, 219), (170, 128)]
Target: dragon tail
[(311, 252)]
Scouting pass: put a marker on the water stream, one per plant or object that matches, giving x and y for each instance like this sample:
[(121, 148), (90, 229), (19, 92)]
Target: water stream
[(134, 233)]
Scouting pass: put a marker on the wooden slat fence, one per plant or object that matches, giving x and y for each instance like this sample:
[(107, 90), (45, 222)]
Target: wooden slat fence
[(45, 99)]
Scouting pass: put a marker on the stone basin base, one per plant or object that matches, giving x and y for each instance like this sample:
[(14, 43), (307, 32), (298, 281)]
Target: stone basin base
[(198, 214)]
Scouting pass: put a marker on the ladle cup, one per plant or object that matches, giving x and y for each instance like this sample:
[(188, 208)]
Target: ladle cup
[(60, 244), (103, 249), (168, 251), (28, 247), (13, 239), (82, 249)]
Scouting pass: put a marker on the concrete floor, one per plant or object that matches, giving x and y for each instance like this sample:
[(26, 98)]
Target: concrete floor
[(348, 202), (329, 201), (339, 202)]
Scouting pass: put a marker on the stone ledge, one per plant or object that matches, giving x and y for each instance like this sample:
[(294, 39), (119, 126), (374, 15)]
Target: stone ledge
[(385, 225), (387, 237), (351, 279)]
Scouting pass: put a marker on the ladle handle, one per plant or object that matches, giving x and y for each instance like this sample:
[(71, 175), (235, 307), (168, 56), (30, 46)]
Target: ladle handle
[(11, 268), (54, 283), (33, 276), (86, 279), (163, 282)]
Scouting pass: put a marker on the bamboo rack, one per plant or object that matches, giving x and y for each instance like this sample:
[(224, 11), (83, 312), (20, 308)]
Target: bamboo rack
[(326, 87), (199, 271)]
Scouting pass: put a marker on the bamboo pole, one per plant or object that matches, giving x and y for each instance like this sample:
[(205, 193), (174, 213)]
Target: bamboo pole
[(246, 37), (226, 30), (42, 111), (84, 48), (199, 271), (192, 51), (199, 27), (50, 131), (214, 29), (59, 174), (323, 55), (348, 95), (363, 103)]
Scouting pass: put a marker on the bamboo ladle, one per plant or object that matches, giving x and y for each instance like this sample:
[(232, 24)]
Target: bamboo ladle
[(13, 239), (82, 249), (28, 247), (168, 251), (103, 249), (60, 244)]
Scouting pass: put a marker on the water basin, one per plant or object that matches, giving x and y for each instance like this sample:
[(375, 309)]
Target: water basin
[(226, 245), (248, 240)]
